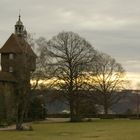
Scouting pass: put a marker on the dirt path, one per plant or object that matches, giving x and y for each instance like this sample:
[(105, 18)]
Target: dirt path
[(11, 127), (48, 120)]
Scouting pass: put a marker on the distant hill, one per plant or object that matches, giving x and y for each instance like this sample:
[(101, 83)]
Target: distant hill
[(56, 103)]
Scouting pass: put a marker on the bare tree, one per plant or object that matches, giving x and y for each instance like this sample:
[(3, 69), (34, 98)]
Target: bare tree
[(27, 59), (107, 80), (137, 99), (69, 56)]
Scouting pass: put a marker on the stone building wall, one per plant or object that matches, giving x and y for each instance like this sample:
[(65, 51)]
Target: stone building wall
[(7, 101)]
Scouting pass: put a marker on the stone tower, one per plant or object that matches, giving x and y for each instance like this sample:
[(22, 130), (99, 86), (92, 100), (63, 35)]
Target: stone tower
[(17, 61), (17, 56)]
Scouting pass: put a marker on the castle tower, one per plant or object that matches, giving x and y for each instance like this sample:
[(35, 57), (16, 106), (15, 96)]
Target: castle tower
[(17, 56), (17, 62)]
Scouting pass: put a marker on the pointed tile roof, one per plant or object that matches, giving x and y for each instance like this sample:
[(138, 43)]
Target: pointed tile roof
[(17, 44)]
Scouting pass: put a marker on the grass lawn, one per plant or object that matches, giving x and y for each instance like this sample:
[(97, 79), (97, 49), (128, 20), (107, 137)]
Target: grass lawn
[(96, 130)]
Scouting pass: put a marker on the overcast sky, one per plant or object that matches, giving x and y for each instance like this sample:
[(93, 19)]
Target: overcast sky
[(111, 26)]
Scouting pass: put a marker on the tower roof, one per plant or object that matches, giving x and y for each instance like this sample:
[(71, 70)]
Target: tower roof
[(19, 22), (17, 44), (20, 29)]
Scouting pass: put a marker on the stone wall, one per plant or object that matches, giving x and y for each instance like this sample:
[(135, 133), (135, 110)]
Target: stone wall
[(7, 102)]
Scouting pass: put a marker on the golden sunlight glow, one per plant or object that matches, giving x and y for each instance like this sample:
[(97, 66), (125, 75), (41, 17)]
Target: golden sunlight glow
[(134, 79)]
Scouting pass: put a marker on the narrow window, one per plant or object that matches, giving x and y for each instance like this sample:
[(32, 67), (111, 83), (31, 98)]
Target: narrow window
[(11, 56), (10, 69)]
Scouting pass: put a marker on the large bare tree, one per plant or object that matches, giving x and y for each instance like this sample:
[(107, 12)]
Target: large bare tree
[(68, 56)]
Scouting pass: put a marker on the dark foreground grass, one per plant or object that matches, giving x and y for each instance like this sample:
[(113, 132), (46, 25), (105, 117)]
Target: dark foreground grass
[(96, 130)]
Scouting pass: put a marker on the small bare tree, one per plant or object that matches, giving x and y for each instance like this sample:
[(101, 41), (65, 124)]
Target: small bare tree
[(27, 59), (137, 99), (107, 80)]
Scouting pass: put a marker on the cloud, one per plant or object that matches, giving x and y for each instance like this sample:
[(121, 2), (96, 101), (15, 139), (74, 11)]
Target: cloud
[(112, 26)]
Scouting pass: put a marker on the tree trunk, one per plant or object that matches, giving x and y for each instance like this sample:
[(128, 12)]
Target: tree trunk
[(72, 115), (105, 110), (137, 108), (22, 102), (105, 106), (77, 110), (19, 119)]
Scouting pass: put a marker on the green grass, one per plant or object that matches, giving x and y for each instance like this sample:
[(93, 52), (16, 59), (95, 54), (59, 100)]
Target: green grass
[(96, 130)]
